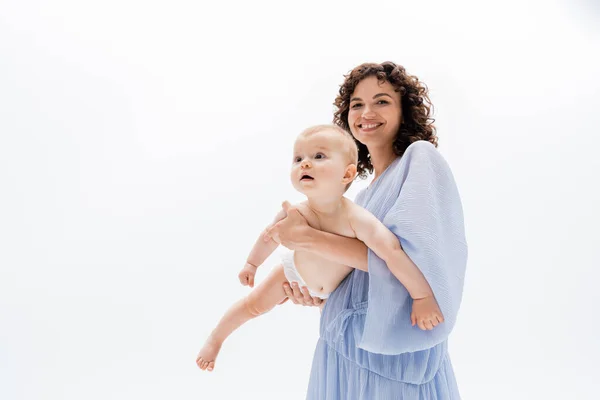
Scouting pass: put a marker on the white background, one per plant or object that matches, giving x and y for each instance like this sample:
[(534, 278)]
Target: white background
[(144, 145)]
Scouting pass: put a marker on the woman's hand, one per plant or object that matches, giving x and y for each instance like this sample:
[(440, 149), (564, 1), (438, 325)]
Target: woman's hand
[(300, 295), (292, 231)]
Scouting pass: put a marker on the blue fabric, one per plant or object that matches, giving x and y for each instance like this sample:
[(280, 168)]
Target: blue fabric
[(367, 347)]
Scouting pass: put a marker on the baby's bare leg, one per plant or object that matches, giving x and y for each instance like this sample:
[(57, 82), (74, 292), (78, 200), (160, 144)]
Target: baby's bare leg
[(261, 300)]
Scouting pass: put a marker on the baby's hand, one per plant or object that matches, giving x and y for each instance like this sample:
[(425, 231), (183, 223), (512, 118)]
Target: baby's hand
[(246, 275), (426, 313)]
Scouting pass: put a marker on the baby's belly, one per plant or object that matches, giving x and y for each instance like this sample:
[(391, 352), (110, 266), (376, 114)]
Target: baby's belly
[(321, 275)]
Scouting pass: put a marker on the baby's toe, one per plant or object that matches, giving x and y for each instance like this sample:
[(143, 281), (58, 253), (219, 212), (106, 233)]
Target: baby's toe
[(211, 366)]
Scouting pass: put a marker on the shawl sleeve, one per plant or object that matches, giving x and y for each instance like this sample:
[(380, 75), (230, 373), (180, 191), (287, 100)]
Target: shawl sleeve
[(422, 207)]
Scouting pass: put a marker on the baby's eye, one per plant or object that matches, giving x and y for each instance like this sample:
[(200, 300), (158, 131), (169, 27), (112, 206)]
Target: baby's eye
[(297, 159), (319, 156)]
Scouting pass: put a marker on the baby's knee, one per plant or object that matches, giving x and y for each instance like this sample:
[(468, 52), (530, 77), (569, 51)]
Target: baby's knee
[(254, 306)]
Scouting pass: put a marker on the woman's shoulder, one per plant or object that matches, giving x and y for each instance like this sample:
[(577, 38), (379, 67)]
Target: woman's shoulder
[(423, 152), (421, 148)]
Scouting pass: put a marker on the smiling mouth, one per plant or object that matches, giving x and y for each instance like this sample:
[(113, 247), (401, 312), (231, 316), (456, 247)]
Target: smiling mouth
[(369, 126)]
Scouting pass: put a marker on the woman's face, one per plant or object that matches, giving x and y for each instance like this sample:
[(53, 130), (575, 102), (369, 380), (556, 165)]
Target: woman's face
[(375, 113)]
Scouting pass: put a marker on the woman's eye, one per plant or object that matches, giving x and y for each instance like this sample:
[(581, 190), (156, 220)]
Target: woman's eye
[(356, 105), (382, 102)]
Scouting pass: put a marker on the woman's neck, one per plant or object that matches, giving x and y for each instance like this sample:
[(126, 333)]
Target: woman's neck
[(381, 159)]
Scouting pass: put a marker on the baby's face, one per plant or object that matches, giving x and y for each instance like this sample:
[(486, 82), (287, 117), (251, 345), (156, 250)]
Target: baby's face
[(319, 164)]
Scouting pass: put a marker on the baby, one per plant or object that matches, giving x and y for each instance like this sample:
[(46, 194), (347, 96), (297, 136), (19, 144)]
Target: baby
[(324, 166)]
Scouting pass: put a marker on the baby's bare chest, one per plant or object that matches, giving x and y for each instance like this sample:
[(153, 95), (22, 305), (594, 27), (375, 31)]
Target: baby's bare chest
[(338, 225)]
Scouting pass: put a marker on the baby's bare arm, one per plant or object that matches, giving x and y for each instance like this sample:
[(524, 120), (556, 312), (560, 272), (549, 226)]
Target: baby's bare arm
[(261, 249), (387, 246)]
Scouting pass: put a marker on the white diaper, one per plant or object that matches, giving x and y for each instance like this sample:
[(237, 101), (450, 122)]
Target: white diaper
[(292, 274)]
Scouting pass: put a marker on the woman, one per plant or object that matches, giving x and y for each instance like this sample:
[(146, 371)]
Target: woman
[(368, 348)]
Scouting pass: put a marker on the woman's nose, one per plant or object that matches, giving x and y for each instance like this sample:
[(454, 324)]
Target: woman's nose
[(368, 113)]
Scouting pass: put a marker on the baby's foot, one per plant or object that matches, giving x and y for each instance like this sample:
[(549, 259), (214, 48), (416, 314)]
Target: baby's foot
[(208, 354)]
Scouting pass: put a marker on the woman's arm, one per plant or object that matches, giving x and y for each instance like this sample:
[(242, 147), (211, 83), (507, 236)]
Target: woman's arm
[(295, 234), (341, 249)]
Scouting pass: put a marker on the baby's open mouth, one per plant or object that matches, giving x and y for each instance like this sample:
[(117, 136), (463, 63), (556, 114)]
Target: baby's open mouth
[(306, 178)]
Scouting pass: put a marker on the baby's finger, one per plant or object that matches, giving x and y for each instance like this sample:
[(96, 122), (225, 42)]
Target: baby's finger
[(251, 281), (317, 301), (440, 318), (413, 319)]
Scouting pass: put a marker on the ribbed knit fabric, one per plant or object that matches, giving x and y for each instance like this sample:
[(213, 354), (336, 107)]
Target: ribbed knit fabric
[(367, 348)]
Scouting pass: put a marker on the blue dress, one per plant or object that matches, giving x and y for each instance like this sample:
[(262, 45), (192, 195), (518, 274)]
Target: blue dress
[(367, 349)]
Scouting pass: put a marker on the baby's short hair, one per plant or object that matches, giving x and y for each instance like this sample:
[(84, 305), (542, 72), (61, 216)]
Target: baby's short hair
[(350, 149)]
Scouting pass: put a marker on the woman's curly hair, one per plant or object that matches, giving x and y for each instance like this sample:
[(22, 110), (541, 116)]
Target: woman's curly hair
[(417, 124)]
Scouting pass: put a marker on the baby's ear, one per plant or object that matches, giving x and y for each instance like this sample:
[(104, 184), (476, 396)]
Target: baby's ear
[(350, 173)]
